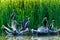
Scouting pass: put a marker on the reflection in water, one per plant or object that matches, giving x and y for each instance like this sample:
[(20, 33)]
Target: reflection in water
[(40, 38), (19, 38), (46, 38), (34, 38)]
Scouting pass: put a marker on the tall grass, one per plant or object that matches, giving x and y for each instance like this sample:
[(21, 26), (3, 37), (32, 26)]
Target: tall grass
[(35, 9)]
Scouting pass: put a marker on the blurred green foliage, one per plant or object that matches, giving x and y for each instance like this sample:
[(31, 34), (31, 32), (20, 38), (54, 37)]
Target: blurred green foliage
[(35, 9)]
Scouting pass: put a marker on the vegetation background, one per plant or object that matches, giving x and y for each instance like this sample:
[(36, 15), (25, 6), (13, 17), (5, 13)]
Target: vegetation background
[(35, 9)]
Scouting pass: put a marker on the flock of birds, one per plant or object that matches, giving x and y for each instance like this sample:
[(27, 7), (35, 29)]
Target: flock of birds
[(24, 26), (43, 30)]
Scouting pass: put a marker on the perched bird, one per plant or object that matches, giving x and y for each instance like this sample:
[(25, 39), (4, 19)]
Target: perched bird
[(14, 27), (27, 23), (51, 27), (42, 29), (14, 24), (44, 21), (13, 21), (23, 25)]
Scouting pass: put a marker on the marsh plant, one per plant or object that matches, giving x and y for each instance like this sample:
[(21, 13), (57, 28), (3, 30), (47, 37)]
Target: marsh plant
[(35, 9)]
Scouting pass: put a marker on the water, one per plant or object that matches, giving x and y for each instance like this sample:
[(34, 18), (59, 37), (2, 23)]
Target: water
[(33, 38)]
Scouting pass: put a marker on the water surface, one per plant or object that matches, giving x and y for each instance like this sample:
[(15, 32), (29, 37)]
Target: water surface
[(33, 38)]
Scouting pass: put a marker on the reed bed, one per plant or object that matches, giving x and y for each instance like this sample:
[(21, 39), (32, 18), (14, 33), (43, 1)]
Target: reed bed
[(35, 9)]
